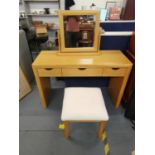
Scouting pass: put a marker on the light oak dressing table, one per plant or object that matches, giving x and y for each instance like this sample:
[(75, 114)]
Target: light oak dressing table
[(112, 64), (81, 62)]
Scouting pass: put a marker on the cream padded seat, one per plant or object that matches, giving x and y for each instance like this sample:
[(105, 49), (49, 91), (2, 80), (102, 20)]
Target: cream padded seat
[(81, 103)]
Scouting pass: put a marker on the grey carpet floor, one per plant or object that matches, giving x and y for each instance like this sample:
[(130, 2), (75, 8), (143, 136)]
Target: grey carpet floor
[(39, 133)]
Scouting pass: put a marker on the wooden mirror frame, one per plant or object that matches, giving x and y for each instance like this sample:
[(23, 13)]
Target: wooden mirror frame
[(94, 48)]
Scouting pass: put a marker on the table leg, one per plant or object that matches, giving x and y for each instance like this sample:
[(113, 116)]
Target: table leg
[(43, 84), (117, 86)]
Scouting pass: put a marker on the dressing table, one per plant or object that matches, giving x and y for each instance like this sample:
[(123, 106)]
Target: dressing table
[(81, 62)]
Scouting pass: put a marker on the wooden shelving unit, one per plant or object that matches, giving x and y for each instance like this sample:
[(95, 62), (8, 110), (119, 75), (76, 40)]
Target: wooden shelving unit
[(42, 15), (31, 10), (29, 16)]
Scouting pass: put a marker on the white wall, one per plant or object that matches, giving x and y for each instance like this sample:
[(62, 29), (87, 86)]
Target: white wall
[(21, 8)]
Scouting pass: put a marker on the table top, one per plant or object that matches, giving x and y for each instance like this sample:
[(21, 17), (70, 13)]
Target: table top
[(110, 58)]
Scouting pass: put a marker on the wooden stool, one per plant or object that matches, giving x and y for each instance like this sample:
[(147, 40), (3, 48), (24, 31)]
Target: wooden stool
[(84, 105)]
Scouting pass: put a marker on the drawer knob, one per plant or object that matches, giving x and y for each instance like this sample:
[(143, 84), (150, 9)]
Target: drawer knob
[(115, 68), (48, 69), (82, 68)]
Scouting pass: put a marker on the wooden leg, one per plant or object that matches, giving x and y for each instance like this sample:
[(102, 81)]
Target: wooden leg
[(66, 130), (43, 84), (117, 86), (101, 129)]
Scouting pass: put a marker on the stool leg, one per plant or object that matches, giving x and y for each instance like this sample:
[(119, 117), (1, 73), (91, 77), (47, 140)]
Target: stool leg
[(101, 129), (66, 130)]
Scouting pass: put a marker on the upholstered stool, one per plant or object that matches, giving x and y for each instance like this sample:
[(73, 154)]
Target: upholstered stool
[(82, 104)]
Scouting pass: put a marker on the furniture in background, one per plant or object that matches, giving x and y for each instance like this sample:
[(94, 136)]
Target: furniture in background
[(131, 82), (41, 31), (117, 34), (41, 36), (107, 64), (86, 33), (24, 86), (29, 13), (34, 10), (84, 105), (129, 12), (25, 59)]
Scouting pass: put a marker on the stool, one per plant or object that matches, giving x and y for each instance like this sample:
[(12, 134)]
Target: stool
[(82, 104)]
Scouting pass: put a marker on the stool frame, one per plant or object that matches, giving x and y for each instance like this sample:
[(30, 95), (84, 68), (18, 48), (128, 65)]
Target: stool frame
[(99, 133)]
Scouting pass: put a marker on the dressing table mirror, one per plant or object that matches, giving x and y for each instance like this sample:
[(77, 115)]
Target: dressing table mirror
[(79, 31)]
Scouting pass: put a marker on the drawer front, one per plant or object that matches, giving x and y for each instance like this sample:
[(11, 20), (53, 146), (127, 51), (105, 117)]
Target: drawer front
[(49, 72), (82, 72), (113, 71)]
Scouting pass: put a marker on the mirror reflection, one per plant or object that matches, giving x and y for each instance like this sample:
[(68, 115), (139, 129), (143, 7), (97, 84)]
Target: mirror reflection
[(79, 31)]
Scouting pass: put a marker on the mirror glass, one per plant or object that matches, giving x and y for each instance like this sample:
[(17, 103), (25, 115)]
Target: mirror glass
[(79, 30)]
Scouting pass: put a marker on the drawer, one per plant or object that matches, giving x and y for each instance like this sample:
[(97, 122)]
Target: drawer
[(82, 72), (114, 71), (49, 72)]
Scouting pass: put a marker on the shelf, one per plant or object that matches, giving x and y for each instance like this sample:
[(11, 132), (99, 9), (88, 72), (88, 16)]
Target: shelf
[(117, 21), (41, 0), (22, 17), (42, 15), (117, 33)]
